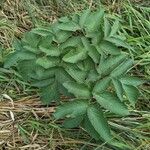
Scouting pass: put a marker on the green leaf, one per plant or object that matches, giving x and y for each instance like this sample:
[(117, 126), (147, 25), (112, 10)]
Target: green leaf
[(90, 129), (122, 68), (69, 26), (97, 39), (24, 55), (120, 145), (75, 18), (62, 76), (11, 60), (92, 76), (88, 64), (71, 42), (79, 90), (72, 122), (101, 85), (86, 43), (61, 36), (64, 19), (44, 73), (107, 27), (118, 42), (42, 31), (47, 62), (31, 39), (17, 44), (64, 91), (99, 123), (26, 69), (31, 49), (76, 73), (94, 20), (114, 28), (51, 50), (84, 17), (92, 52), (43, 83), (1, 55), (50, 93), (108, 47), (110, 63), (46, 41), (118, 88), (112, 103), (96, 36), (75, 55), (74, 108), (132, 93), (130, 80)]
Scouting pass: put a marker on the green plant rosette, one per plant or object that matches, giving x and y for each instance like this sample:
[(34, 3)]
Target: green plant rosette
[(81, 56)]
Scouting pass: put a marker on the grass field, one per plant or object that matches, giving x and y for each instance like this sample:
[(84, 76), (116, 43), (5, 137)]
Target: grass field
[(24, 122)]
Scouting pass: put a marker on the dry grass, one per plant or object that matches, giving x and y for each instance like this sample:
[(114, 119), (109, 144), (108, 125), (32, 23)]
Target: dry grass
[(27, 124), (13, 114)]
